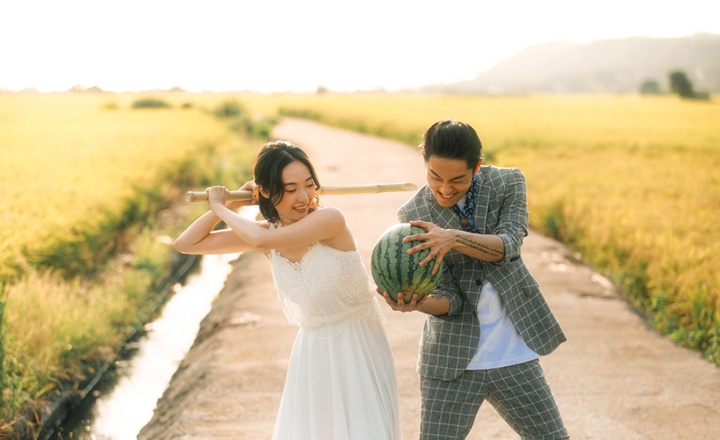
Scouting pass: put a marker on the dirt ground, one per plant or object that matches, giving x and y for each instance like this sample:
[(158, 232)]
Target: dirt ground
[(614, 378)]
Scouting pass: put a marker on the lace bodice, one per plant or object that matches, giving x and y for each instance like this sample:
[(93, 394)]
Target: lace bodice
[(328, 287)]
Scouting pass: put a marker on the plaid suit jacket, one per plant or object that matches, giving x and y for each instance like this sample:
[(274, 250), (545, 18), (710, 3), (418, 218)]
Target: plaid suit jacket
[(449, 342)]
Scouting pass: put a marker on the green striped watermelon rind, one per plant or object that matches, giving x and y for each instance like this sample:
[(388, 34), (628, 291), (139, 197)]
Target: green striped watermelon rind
[(413, 278)]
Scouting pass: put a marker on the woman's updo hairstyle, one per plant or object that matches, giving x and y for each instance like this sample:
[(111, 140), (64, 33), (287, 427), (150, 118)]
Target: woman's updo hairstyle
[(270, 163)]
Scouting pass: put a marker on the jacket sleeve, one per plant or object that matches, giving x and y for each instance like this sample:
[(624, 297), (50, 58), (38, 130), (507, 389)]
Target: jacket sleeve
[(512, 227), (449, 289)]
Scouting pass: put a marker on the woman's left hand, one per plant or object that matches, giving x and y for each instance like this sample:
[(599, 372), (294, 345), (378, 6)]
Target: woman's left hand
[(217, 196)]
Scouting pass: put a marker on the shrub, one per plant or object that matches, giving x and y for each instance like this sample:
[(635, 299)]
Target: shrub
[(150, 103), (110, 105), (650, 87), (229, 109)]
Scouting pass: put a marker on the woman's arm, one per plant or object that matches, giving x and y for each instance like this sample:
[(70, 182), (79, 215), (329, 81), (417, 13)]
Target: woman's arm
[(200, 238), (327, 224)]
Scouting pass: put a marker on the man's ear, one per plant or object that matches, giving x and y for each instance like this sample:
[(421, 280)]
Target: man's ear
[(477, 168)]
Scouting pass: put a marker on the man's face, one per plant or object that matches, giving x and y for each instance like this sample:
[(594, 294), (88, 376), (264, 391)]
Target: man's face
[(449, 179)]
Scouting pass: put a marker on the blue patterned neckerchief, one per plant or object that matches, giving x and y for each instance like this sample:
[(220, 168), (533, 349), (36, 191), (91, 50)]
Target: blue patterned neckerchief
[(466, 213)]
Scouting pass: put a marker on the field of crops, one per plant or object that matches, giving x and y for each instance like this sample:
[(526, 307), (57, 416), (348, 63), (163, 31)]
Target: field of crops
[(632, 183), (86, 182), (67, 164)]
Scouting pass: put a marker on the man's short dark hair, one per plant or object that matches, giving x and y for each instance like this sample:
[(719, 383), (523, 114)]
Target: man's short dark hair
[(450, 139)]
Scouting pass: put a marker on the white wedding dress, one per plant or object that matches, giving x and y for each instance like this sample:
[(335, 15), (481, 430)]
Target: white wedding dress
[(341, 382)]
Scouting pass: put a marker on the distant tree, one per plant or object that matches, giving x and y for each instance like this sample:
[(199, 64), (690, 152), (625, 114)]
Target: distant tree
[(680, 84), (321, 90), (650, 87)]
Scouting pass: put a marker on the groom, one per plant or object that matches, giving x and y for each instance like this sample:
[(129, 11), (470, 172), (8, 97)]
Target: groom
[(488, 322)]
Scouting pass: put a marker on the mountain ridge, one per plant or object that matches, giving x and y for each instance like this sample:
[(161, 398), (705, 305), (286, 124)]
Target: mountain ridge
[(601, 66)]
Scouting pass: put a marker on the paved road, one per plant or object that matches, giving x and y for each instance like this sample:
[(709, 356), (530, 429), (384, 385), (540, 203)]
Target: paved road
[(614, 378)]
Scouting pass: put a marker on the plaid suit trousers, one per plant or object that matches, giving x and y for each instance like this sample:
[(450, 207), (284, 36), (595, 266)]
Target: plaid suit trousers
[(519, 393)]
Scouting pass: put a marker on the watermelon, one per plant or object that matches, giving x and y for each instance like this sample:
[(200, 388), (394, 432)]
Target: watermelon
[(395, 271)]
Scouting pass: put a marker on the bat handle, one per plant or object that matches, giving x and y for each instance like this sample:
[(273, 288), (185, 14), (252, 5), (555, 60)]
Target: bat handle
[(202, 196), (197, 196)]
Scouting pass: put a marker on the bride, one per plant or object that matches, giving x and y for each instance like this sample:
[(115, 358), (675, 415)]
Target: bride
[(341, 381)]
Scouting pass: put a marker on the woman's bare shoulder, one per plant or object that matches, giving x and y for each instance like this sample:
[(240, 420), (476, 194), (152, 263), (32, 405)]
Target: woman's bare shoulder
[(343, 240), (329, 212)]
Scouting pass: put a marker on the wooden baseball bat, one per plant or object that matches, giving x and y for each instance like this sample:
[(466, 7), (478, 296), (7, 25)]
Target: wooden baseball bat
[(201, 196)]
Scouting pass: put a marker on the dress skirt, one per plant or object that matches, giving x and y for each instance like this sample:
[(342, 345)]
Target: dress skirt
[(340, 385)]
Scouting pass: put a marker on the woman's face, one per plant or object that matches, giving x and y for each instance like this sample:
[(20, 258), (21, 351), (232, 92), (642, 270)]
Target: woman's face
[(299, 193), (449, 179)]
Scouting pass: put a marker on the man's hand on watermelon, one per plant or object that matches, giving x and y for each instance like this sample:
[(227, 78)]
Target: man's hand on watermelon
[(438, 240), (432, 304)]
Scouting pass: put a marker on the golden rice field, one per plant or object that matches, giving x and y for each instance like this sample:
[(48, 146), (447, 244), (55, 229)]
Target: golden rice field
[(632, 183), (67, 163), (82, 177)]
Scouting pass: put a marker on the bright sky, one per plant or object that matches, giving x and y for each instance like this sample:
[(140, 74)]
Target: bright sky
[(298, 45)]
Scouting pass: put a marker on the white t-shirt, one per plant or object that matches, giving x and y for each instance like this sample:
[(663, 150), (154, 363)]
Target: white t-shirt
[(500, 343)]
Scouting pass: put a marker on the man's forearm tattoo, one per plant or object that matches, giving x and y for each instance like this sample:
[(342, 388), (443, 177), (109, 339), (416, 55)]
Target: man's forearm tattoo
[(479, 246)]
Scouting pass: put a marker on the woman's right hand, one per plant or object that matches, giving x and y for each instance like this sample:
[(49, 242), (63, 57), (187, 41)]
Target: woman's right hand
[(250, 186), (235, 204)]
